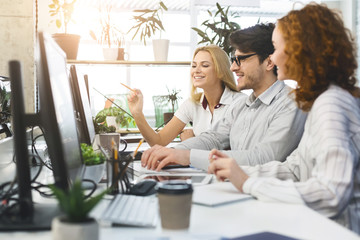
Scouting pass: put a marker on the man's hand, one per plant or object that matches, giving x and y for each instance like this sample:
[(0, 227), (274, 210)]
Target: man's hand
[(227, 168), (158, 157)]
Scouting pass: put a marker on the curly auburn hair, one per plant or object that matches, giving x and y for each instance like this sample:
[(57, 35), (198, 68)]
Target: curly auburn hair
[(320, 51)]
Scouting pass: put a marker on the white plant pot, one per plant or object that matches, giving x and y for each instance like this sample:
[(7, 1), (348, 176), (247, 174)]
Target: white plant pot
[(106, 139), (80, 231), (161, 49), (110, 53), (111, 121), (95, 172)]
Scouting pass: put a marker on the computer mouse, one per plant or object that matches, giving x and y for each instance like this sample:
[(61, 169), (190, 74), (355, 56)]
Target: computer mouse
[(143, 188)]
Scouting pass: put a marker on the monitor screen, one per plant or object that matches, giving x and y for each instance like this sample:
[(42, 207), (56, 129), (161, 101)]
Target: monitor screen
[(57, 112), (56, 118), (84, 119)]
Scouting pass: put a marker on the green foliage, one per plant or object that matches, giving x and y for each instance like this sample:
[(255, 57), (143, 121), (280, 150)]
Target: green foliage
[(90, 156), (218, 29), (148, 22), (110, 34), (62, 11), (73, 202), (4, 106), (121, 118), (172, 97)]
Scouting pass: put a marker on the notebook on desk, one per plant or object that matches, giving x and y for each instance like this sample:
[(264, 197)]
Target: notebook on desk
[(217, 194)]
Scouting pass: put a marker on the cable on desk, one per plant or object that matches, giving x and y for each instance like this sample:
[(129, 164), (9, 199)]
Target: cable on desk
[(33, 148), (92, 190), (38, 188), (8, 195), (10, 192)]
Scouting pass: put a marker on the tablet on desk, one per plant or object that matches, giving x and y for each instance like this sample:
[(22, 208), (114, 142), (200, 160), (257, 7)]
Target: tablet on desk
[(196, 179)]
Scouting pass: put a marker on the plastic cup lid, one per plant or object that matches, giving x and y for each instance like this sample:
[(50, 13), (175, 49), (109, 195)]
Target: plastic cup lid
[(175, 187)]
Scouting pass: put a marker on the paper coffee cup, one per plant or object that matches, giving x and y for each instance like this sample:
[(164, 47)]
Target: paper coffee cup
[(175, 199)]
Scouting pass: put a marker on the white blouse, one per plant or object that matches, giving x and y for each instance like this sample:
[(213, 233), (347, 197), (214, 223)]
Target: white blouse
[(201, 118)]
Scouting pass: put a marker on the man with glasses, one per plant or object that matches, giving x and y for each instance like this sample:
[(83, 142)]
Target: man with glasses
[(266, 126)]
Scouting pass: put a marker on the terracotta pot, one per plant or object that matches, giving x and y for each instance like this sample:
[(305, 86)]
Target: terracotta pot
[(168, 116), (69, 43), (122, 55)]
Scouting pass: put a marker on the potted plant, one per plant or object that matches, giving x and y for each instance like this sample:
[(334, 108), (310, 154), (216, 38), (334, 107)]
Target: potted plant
[(75, 223), (5, 113), (147, 24), (63, 12), (111, 119), (107, 122), (111, 37), (94, 163), (218, 29), (163, 101)]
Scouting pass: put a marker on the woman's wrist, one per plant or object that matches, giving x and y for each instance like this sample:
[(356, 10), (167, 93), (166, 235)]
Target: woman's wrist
[(137, 114)]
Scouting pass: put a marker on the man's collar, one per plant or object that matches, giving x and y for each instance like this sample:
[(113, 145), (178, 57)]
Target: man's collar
[(269, 94)]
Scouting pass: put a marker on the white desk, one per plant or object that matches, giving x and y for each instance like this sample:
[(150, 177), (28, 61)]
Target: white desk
[(232, 220)]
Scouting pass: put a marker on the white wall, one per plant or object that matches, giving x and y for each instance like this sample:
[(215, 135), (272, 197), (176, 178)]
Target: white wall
[(348, 10), (17, 42)]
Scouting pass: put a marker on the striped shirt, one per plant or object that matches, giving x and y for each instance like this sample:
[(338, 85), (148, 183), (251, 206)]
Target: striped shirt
[(323, 172), (256, 130)]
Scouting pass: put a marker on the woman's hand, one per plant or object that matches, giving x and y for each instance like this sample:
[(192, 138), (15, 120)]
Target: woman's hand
[(226, 168), (135, 102), (187, 133)]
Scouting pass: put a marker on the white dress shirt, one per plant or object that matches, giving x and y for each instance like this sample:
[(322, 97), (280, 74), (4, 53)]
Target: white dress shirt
[(323, 172), (257, 130), (201, 117)]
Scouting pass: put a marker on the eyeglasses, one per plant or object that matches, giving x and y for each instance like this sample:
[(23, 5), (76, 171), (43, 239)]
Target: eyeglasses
[(239, 59)]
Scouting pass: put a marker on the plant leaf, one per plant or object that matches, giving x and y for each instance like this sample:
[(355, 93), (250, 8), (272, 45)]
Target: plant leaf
[(58, 23)]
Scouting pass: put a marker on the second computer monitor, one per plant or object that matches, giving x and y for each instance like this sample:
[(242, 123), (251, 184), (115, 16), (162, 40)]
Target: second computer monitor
[(85, 123)]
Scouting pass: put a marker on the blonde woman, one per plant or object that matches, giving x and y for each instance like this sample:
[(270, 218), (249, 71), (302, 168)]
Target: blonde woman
[(210, 71)]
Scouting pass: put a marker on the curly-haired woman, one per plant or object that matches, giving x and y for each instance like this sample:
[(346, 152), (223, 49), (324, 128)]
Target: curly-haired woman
[(313, 47)]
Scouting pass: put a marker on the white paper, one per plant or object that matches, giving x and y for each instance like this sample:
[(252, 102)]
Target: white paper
[(217, 194)]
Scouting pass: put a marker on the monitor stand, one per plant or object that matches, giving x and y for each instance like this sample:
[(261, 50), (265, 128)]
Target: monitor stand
[(41, 220)]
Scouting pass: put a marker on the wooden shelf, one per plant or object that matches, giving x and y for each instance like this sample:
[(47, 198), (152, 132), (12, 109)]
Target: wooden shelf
[(146, 63)]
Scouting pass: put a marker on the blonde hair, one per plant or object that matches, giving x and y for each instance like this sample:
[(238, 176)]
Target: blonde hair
[(222, 69)]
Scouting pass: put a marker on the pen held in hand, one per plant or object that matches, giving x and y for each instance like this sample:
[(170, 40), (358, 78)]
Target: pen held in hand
[(136, 150), (128, 87)]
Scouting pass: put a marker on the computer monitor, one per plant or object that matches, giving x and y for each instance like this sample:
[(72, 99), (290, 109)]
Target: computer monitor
[(84, 119), (56, 118), (57, 112)]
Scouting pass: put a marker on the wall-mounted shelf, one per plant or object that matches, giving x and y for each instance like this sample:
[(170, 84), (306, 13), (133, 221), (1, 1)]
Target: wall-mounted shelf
[(146, 63)]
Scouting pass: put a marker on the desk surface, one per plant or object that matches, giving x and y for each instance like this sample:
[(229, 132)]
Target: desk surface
[(231, 220)]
